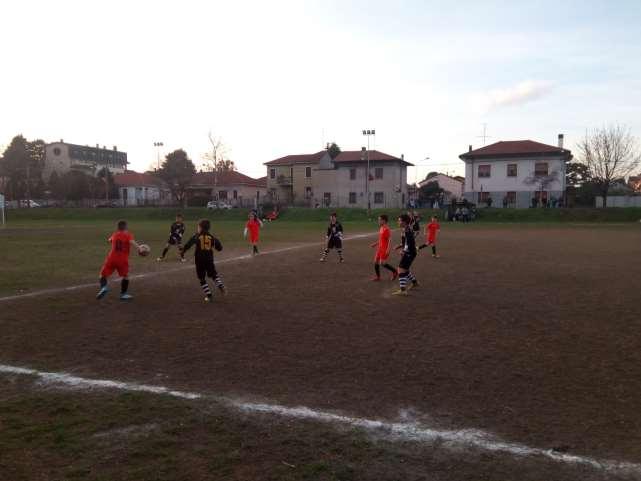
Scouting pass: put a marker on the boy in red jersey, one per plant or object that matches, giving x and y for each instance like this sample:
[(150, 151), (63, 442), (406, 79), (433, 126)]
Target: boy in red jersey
[(383, 247), (253, 228), (118, 260), (430, 233)]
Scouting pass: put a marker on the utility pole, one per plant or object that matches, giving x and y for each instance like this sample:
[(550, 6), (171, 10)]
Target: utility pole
[(368, 133), (158, 145)]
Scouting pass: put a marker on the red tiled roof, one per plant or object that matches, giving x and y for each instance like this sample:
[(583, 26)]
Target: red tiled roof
[(514, 148), (298, 159), (374, 155), (227, 178), (136, 179)]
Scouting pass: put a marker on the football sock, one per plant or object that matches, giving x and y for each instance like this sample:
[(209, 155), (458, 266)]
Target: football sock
[(255, 250), (325, 252), (377, 269), (124, 285), (422, 246), (103, 282), (219, 282), (340, 253), (164, 252), (402, 280), (389, 268), (206, 288), (433, 250), (411, 277)]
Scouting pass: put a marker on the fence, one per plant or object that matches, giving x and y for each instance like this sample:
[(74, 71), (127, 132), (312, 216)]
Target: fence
[(618, 201)]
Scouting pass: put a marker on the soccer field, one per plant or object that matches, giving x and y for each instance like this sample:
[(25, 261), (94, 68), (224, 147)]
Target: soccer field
[(518, 357)]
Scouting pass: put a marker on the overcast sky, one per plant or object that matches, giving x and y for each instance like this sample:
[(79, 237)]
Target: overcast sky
[(273, 78)]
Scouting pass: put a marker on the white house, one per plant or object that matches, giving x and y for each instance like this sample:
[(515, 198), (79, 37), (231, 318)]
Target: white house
[(136, 189), (517, 173), (453, 186)]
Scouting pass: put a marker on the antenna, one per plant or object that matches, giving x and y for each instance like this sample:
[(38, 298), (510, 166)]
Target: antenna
[(484, 136)]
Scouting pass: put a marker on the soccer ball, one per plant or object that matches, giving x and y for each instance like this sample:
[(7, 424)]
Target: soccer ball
[(144, 250)]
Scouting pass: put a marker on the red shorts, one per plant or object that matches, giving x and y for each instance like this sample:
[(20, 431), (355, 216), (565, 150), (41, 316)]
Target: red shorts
[(431, 241), (381, 256), (111, 265), (253, 237)]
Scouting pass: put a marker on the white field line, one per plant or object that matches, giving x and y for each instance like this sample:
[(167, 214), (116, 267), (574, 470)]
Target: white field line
[(59, 290), (403, 431)]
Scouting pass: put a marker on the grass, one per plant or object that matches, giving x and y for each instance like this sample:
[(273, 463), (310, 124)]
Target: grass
[(54, 434), (60, 251), (56, 247)]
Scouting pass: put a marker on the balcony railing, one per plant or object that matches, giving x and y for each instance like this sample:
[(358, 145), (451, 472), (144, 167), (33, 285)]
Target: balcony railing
[(284, 180)]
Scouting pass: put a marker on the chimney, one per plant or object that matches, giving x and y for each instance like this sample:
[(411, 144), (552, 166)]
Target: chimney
[(470, 148), (115, 147), (62, 141), (560, 141), (97, 146), (402, 156)]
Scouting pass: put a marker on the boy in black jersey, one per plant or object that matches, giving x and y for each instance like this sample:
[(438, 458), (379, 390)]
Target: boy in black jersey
[(408, 254), (334, 238), (204, 257), (415, 223), (176, 232)]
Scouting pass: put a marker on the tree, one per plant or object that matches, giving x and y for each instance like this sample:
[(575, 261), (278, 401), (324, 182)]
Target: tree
[(177, 171), (333, 150), (580, 186), (609, 153), (431, 192), (22, 164), (105, 185)]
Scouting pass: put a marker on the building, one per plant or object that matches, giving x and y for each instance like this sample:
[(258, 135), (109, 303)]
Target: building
[(318, 180), (232, 187), (519, 173), (62, 157), (634, 182), (453, 186), (135, 189)]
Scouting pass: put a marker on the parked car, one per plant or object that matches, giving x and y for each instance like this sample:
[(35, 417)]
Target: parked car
[(218, 204)]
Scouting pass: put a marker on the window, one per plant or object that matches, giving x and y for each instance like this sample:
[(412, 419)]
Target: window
[(327, 199), (378, 173), (222, 195), (485, 170), (483, 197), (511, 198), (541, 169), (308, 192), (379, 197), (272, 173), (235, 194), (511, 170), (352, 174), (352, 197), (308, 172), (56, 151)]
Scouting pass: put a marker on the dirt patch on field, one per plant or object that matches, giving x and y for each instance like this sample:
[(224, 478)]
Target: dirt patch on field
[(531, 333)]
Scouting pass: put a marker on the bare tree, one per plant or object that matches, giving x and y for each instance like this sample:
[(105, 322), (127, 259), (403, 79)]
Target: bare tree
[(610, 153), (215, 160)]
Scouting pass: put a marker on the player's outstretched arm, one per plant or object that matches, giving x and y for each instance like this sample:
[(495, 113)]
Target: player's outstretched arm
[(134, 244), (245, 233), (188, 245)]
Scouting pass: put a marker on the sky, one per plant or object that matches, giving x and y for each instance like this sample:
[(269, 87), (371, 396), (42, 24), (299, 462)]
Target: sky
[(279, 77)]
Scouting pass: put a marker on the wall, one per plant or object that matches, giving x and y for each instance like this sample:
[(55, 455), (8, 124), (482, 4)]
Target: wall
[(619, 201), (500, 182)]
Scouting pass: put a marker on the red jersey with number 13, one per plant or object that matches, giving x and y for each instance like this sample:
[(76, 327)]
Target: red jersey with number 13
[(120, 243)]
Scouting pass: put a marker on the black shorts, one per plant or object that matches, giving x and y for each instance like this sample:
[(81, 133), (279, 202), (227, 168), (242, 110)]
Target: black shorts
[(174, 240), (406, 261), (204, 270), (334, 243)]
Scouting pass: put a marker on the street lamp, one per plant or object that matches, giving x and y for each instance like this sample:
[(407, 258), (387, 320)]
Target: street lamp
[(158, 145), (368, 133)]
